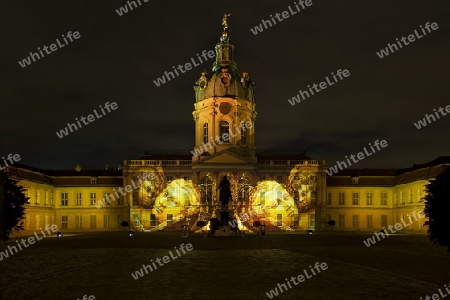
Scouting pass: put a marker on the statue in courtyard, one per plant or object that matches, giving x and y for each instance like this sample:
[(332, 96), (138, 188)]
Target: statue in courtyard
[(225, 192), (225, 196)]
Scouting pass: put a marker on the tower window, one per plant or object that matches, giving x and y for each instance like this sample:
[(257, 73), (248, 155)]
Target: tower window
[(243, 136), (205, 133), (224, 128)]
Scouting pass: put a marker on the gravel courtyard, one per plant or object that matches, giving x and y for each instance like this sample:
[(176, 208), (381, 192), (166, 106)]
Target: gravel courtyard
[(101, 264)]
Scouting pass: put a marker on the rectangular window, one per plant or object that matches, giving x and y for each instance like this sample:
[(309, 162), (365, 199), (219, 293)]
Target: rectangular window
[(78, 196), (355, 198), (64, 222), (36, 196), (341, 198), (384, 221), (169, 219), (262, 177), (106, 221), (120, 200), (205, 133), (341, 221), (279, 219), (46, 200), (312, 220), (384, 198), (94, 181), (25, 192), (64, 199), (52, 198), (93, 198), (355, 221), (79, 221), (396, 198), (136, 197), (152, 220), (369, 221), (280, 179), (93, 221), (419, 195), (369, 199), (108, 198), (411, 197), (402, 197), (169, 177), (328, 198), (243, 136)]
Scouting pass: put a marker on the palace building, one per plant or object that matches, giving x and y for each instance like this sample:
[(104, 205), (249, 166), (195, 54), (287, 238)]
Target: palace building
[(284, 191)]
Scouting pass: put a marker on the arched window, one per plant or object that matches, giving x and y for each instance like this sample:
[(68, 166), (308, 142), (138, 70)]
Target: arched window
[(243, 136), (224, 128), (243, 189), (205, 133), (206, 190)]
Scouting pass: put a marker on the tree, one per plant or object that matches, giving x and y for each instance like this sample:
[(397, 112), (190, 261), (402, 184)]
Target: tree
[(14, 207), (437, 208)]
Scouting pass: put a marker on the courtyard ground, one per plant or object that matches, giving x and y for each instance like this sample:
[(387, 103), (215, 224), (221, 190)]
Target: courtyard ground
[(101, 264)]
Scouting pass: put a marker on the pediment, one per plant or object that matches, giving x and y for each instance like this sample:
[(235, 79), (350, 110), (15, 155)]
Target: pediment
[(225, 157)]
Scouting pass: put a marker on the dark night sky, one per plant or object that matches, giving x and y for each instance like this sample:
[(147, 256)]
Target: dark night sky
[(117, 59)]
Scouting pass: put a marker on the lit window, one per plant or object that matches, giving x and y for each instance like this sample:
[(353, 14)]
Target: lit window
[(355, 199), (93, 220), (93, 198), (384, 198), (78, 198), (64, 199), (106, 221), (79, 221), (341, 199), (369, 221), (224, 128), (328, 198), (369, 199), (205, 133), (64, 222)]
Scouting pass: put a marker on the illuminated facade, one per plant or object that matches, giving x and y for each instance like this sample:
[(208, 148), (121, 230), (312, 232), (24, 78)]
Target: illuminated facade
[(283, 191)]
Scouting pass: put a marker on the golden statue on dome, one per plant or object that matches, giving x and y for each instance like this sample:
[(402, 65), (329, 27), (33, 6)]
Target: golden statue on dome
[(225, 21)]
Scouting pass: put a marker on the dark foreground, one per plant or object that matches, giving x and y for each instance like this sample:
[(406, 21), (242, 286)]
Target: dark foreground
[(399, 267)]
